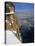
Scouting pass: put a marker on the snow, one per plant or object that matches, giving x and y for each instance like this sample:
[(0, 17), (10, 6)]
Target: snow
[(11, 38)]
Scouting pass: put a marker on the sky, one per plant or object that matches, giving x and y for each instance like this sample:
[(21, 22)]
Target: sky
[(22, 6), (23, 11)]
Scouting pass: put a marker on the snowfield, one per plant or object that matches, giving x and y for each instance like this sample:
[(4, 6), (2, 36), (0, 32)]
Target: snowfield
[(11, 38)]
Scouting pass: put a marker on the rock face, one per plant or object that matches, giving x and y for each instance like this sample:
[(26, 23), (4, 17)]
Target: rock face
[(11, 21)]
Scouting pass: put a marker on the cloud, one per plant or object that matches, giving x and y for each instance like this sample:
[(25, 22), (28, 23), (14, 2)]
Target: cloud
[(25, 16)]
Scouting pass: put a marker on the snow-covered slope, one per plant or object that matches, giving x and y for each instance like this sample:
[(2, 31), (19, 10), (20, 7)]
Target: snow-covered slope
[(11, 38)]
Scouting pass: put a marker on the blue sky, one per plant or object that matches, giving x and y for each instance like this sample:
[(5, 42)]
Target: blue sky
[(23, 11), (22, 6)]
